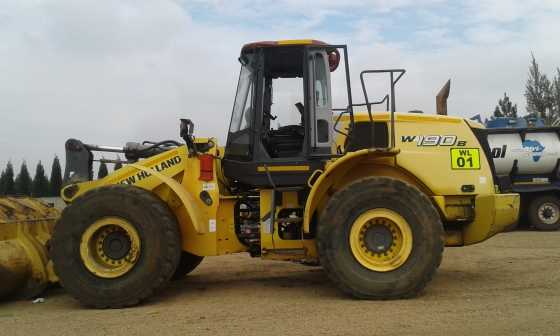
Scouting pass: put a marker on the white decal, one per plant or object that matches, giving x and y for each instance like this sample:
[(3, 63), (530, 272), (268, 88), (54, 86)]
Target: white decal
[(208, 186)]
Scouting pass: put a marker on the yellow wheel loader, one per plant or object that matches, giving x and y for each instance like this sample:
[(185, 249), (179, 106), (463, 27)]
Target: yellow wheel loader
[(372, 197)]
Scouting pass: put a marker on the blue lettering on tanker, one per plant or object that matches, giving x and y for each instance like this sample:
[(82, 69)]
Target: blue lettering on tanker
[(535, 147)]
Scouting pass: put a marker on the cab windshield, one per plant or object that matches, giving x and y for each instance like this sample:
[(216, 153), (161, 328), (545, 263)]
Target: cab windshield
[(242, 115), (239, 138)]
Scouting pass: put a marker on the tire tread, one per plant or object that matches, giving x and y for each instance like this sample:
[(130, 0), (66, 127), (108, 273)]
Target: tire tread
[(166, 267), (352, 190)]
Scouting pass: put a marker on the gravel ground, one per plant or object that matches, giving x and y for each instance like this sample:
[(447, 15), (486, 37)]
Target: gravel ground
[(509, 285)]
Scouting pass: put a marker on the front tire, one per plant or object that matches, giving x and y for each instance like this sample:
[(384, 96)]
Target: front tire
[(380, 238), (544, 213), (115, 246)]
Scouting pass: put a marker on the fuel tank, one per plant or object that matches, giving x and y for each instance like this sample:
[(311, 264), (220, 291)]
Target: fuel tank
[(530, 151)]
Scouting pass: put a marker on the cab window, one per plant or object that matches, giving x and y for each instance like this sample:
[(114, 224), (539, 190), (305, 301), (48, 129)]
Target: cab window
[(239, 138)]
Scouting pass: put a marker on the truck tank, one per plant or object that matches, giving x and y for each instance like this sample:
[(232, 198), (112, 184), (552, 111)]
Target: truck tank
[(525, 151), (527, 161)]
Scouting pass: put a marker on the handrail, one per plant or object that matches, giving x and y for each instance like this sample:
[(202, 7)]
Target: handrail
[(394, 81), (345, 110)]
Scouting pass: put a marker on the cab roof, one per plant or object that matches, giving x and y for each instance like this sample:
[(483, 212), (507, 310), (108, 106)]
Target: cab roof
[(281, 43)]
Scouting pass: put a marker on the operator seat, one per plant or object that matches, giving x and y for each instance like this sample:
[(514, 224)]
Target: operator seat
[(287, 141)]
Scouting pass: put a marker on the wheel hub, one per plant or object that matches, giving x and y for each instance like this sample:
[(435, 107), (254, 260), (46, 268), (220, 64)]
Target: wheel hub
[(110, 247), (116, 245), (378, 238), (548, 213), (381, 240)]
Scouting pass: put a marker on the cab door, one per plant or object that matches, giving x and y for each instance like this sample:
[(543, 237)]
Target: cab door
[(319, 102)]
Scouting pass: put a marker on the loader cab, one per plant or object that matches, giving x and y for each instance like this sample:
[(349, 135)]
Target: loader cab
[(281, 127)]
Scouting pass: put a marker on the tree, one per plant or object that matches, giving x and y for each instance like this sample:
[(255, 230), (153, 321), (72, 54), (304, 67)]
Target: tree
[(55, 183), (538, 92), (40, 182), (118, 165), (505, 108), (556, 93), (23, 181), (103, 171), (7, 180), (2, 183)]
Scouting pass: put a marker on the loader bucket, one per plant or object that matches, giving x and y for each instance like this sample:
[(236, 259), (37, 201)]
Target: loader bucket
[(25, 228)]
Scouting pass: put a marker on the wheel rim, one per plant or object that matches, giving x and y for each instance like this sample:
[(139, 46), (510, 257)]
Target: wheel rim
[(548, 213), (110, 247), (381, 240)]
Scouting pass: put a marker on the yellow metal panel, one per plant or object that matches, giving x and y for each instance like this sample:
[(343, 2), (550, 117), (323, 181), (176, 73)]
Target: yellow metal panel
[(281, 244), (403, 117), (474, 124), (270, 241), (227, 239), (350, 167), (272, 245), (493, 213), (378, 166), (170, 163), (455, 207), (265, 206), (187, 200), (333, 169), (295, 42), (290, 199), (433, 164), (262, 169), (203, 244)]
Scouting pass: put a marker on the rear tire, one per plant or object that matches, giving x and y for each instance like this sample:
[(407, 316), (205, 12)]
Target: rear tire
[(115, 246), (397, 266), (186, 265), (544, 213)]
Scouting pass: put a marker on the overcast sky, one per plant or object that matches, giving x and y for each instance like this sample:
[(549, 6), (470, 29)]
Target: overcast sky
[(107, 72)]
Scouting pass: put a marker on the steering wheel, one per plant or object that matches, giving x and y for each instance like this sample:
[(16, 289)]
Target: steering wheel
[(270, 116)]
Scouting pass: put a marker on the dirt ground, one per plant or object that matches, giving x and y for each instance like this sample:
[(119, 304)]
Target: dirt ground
[(509, 285)]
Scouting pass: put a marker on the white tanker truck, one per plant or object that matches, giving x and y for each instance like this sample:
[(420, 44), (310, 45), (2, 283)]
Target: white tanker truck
[(526, 161)]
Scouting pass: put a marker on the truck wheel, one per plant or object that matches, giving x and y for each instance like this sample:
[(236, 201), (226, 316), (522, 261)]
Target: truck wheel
[(187, 264), (115, 246), (380, 238), (544, 213)]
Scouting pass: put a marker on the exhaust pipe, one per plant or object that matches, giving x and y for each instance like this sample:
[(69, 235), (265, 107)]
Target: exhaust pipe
[(441, 98)]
